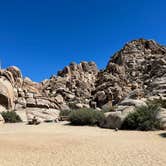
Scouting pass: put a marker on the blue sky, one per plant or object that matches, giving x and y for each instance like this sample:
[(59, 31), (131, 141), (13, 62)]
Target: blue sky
[(43, 36)]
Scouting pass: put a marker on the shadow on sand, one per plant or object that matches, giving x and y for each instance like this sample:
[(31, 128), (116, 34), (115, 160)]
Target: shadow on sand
[(163, 135)]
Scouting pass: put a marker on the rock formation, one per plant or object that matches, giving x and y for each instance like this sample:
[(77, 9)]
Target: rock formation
[(136, 71), (133, 74), (72, 86), (19, 94)]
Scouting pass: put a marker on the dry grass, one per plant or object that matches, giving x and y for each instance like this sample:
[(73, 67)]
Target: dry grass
[(63, 145)]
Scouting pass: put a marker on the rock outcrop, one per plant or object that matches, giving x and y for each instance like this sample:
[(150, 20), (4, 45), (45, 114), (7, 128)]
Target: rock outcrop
[(71, 88), (115, 119), (135, 73), (1, 119), (6, 93), (22, 94), (162, 118), (73, 85)]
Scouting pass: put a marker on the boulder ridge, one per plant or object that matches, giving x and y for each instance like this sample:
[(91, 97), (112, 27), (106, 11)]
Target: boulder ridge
[(136, 72)]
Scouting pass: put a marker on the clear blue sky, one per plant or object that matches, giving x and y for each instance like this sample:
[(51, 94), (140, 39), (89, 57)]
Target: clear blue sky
[(43, 36)]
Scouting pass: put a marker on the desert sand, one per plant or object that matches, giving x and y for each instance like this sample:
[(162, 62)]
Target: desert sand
[(63, 145)]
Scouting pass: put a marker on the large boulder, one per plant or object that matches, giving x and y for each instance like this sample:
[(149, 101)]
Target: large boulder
[(42, 103), (59, 99), (42, 114), (115, 119), (132, 102), (20, 103), (6, 93), (31, 87), (1, 119), (162, 117), (8, 75), (22, 113), (16, 72), (31, 102), (2, 109)]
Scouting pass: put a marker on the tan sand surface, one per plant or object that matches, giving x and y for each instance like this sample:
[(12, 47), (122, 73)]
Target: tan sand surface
[(63, 145)]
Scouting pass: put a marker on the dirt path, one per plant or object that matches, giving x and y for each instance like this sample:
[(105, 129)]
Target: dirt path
[(63, 145)]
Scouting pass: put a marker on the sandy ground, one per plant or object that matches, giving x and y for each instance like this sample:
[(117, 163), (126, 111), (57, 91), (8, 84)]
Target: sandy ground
[(63, 145)]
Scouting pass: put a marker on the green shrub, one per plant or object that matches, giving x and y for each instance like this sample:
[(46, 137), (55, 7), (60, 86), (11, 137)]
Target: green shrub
[(65, 113), (11, 117), (86, 117), (144, 118), (160, 102)]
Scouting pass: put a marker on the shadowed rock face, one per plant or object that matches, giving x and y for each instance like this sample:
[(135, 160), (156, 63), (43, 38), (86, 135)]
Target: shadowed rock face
[(4, 101), (6, 93)]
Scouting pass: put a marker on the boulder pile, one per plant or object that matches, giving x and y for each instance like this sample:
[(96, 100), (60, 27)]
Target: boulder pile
[(134, 74)]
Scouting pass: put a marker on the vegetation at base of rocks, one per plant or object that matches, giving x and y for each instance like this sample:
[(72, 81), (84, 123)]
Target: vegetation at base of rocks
[(163, 135), (86, 117), (160, 102), (64, 113), (144, 118), (11, 117)]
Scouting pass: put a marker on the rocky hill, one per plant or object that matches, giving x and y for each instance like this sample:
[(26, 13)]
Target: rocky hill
[(135, 72)]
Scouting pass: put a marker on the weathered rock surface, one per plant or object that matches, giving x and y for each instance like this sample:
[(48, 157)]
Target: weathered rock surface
[(6, 93), (42, 114), (133, 74), (131, 102), (1, 119), (70, 88), (115, 119), (162, 118), (2, 109), (73, 84), (137, 70)]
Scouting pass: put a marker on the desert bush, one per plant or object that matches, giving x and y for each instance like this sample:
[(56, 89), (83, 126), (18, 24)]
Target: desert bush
[(65, 113), (11, 117), (160, 102), (86, 117), (144, 118)]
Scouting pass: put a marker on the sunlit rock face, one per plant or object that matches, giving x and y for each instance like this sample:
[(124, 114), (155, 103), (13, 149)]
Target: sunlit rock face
[(71, 88), (72, 85), (135, 72), (6, 93)]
